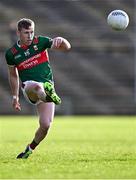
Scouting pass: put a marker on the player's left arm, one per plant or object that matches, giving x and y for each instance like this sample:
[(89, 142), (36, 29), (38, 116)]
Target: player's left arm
[(60, 43)]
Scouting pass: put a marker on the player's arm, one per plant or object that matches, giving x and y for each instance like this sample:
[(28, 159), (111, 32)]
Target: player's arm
[(60, 43), (14, 85)]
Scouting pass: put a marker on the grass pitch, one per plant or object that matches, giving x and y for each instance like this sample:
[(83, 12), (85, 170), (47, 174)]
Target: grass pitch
[(82, 147)]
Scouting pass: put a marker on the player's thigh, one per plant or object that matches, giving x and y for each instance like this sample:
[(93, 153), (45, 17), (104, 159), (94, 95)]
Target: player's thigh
[(46, 111)]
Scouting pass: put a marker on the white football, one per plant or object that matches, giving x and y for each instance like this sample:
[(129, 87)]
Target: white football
[(118, 20)]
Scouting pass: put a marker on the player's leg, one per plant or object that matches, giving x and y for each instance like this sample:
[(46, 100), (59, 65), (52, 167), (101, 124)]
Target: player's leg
[(35, 91), (46, 115)]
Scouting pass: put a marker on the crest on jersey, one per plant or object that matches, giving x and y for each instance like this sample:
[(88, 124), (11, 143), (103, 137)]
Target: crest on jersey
[(35, 47)]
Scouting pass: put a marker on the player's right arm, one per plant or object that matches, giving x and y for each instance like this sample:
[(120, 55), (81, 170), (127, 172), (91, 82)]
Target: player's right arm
[(14, 85), (13, 79)]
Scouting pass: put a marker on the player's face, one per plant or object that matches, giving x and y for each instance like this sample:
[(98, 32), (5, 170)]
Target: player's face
[(26, 35)]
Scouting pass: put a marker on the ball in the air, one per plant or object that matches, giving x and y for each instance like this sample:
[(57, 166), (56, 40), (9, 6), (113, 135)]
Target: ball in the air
[(118, 20)]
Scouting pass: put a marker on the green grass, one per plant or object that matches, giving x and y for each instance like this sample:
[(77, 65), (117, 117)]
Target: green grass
[(76, 148)]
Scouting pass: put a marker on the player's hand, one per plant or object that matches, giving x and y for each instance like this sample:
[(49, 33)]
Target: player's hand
[(16, 104), (57, 42), (61, 44)]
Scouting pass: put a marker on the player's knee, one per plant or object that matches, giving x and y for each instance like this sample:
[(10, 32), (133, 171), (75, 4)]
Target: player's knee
[(45, 125), (37, 87), (32, 88)]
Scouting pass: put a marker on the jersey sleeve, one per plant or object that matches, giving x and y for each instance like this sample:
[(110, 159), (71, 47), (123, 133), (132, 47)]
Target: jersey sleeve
[(9, 58), (45, 41)]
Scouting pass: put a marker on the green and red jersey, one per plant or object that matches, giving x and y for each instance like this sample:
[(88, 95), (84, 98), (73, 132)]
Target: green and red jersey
[(31, 61)]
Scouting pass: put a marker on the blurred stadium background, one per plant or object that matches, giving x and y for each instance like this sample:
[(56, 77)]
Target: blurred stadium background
[(98, 75)]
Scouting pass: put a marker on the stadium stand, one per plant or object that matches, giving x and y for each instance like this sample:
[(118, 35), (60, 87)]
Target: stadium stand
[(98, 75)]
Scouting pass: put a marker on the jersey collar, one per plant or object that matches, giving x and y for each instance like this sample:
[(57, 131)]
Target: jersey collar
[(22, 46)]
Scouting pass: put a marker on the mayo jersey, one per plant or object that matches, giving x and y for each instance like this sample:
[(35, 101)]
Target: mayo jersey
[(31, 61)]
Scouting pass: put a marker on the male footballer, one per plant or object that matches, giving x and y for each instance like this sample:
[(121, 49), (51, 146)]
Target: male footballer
[(28, 63)]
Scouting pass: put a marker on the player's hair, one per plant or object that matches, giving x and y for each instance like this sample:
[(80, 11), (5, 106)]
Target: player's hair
[(24, 23)]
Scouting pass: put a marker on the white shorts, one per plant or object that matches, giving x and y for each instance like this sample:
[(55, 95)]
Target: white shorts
[(24, 87)]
